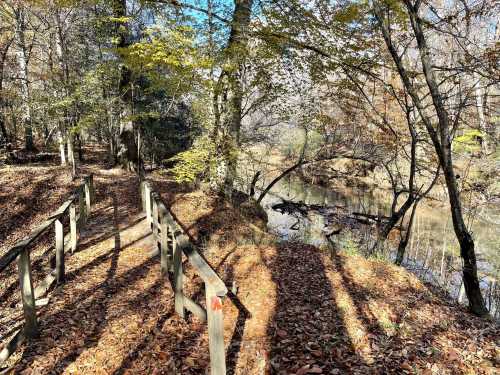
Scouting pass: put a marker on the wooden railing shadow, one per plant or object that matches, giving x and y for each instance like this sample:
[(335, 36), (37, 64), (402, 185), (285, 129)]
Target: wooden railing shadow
[(78, 207), (94, 302)]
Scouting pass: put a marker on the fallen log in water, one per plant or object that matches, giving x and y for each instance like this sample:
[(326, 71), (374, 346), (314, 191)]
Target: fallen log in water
[(290, 207)]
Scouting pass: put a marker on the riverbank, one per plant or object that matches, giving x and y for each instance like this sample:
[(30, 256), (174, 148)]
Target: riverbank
[(477, 178), (300, 310), (346, 217)]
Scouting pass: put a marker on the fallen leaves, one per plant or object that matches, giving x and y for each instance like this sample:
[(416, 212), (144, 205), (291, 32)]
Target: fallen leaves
[(308, 369), (310, 314)]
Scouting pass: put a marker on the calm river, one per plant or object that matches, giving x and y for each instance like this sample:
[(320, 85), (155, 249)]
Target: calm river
[(432, 252)]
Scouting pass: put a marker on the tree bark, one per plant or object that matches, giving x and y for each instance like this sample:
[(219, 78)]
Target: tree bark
[(71, 154), (63, 73), (486, 146), (22, 59), (228, 97), (62, 152), (277, 179), (126, 147), (3, 57), (404, 240)]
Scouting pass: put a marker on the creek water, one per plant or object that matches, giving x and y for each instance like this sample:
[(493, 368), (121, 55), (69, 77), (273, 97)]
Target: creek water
[(432, 252)]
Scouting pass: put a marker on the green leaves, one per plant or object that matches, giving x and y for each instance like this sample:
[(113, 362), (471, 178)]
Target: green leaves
[(172, 49), (192, 163)]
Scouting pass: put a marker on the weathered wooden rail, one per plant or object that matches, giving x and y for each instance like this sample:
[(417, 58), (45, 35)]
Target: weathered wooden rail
[(78, 207), (173, 242)]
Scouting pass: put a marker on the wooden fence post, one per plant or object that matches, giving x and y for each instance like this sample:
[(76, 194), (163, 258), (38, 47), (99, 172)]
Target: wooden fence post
[(87, 194), (92, 190), (81, 204), (72, 227), (155, 216), (179, 296), (215, 332), (164, 246), (59, 252), (142, 189), (27, 293), (147, 193)]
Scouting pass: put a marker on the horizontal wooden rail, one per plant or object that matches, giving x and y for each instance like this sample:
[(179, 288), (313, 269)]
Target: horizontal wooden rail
[(206, 272), (173, 242), (12, 254), (21, 251)]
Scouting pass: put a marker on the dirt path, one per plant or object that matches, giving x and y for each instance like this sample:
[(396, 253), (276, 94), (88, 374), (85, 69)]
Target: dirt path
[(113, 302)]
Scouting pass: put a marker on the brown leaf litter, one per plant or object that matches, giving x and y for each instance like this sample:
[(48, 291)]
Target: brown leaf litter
[(297, 310)]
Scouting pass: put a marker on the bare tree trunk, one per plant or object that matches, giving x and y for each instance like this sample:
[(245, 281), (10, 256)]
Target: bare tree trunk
[(404, 240), (126, 148), (61, 146), (79, 141), (22, 59), (63, 72), (485, 143), (71, 155), (277, 179), (3, 57), (228, 97)]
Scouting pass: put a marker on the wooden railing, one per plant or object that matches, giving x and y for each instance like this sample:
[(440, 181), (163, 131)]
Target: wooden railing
[(78, 206), (173, 242)]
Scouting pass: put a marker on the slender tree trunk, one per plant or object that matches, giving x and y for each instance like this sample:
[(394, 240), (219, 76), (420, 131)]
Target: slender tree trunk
[(63, 74), (404, 240), (71, 155), (62, 152), (277, 179), (443, 149), (79, 141), (486, 141), (3, 57), (441, 140), (2, 127), (22, 59)]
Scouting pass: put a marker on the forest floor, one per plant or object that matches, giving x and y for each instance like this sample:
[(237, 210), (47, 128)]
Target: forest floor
[(298, 310)]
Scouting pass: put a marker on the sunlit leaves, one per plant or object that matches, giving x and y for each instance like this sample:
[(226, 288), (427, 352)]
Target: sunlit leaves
[(166, 57)]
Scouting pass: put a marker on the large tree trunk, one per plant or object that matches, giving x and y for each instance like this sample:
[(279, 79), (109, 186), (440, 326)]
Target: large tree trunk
[(126, 148), (228, 99), (442, 143), (22, 58)]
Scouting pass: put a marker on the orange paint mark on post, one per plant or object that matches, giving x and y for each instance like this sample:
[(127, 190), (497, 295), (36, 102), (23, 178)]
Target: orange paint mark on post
[(216, 303)]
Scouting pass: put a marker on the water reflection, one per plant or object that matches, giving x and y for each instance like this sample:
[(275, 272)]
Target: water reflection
[(433, 251)]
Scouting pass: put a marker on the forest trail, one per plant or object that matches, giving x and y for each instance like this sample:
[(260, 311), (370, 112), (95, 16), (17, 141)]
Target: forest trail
[(114, 301), (298, 310)]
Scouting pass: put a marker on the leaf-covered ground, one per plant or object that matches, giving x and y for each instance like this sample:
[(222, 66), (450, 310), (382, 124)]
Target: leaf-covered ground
[(298, 310)]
